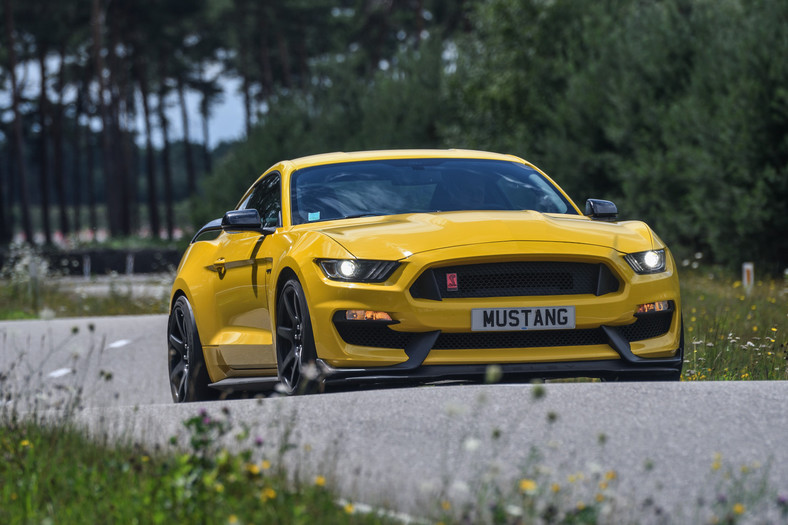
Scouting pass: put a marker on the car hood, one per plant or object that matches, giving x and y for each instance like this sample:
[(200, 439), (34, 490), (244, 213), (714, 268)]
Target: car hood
[(400, 236)]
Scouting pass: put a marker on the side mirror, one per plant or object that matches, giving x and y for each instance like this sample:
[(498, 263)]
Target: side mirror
[(245, 220), (599, 209), (242, 220)]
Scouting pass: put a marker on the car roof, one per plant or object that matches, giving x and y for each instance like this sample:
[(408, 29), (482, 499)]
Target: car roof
[(338, 157)]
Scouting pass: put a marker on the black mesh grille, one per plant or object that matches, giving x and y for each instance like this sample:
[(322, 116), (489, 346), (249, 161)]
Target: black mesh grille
[(647, 327), (381, 336), (514, 279)]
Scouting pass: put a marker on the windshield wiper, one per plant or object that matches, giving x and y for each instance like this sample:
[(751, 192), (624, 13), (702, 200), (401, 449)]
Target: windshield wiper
[(356, 216)]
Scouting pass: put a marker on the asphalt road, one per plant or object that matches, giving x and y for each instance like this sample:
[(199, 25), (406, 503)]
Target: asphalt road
[(409, 448)]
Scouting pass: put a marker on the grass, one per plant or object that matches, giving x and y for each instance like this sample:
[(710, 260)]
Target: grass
[(732, 333)]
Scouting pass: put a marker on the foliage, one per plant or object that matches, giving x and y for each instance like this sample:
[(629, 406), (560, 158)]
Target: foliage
[(676, 109)]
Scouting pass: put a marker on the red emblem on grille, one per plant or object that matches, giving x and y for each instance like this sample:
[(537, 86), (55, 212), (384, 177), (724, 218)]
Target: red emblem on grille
[(451, 282)]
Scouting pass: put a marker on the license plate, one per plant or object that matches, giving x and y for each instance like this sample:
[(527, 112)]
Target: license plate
[(533, 318)]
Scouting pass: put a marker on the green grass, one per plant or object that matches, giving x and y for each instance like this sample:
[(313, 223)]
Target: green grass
[(56, 474), (732, 333)]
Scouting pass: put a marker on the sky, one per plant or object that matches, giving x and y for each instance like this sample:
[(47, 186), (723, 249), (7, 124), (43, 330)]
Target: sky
[(226, 122)]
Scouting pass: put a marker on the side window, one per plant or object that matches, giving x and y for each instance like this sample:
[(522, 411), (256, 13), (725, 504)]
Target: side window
[(266, 198)]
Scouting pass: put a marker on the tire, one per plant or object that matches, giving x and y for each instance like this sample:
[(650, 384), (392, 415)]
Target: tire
[(189, 378), (295, 343)]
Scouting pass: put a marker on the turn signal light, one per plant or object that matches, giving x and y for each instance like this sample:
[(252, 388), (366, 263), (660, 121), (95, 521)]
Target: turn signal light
[(650, 308), (366, 315)]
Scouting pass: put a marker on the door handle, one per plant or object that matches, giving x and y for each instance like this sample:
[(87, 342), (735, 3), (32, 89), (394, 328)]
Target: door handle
[(219, 264)]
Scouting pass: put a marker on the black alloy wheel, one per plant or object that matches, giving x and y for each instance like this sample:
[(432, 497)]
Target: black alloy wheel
[(188, 375), (295, 345)]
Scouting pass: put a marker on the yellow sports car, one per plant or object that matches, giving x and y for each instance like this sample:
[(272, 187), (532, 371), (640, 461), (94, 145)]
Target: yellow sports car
[(418, 266)]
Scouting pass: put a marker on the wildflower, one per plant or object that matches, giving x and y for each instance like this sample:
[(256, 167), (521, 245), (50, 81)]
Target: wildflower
[(219, 488), (555, 488), (599, 497), (258, 442), (267, 493), (25, 444), (320, 481), (528, 486), (602, 485), (253, 469), (232, 519), (610, 475), (349, 508), (472, 444), (145, 459), (738, 509), (445, 505), (580, 506), (717, 464), (265, 464)]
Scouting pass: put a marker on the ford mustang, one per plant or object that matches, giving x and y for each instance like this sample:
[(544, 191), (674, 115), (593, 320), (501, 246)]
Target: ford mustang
[(418, 266)]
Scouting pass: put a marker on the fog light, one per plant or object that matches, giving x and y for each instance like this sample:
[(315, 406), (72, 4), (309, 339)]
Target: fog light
[(650, 308), (366, 315)]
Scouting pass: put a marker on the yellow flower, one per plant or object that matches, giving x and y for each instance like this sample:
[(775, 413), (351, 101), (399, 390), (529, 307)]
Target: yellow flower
[(253, 469), (610, 475), (755, 328), (555, 487), (602, 485), (738, 509), (599, 497), (349, 508), (717, 462), (232, 519), (265, 464), (267, 493), (527, 485), (145, 459), (580, 505), (25, 444), (320, 481), (219, 488), (445, 505)]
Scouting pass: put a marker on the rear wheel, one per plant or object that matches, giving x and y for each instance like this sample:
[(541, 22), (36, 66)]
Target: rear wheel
[(295, 344), (188, 375)]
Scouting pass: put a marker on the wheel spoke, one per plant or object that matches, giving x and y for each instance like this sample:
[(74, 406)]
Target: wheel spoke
[(289, 307), (287, 333), (289, 358), (177, 344), (294, 373)]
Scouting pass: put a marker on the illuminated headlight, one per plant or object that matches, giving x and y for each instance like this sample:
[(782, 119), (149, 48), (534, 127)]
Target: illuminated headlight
[(357, 270), (652, 261)]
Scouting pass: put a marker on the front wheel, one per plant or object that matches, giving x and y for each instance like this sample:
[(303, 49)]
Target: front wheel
[(295, 344), (188, 375)]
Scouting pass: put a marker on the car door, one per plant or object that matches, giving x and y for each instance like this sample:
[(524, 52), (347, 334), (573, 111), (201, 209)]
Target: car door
[(243, 264)]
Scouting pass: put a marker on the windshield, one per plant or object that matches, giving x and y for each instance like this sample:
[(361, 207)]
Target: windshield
[(390, 187)]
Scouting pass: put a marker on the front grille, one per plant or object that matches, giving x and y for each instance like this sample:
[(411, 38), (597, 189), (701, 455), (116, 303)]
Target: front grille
[(381, 336), (514, 279)]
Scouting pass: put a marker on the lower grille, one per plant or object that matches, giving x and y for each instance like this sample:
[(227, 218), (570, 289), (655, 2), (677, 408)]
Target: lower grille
[(381, 336)]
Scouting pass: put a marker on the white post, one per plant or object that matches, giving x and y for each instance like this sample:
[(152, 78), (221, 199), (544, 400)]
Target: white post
[(748, 276)]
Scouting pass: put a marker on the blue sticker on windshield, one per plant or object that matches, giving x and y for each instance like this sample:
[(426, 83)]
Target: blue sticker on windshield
[(313, 216)]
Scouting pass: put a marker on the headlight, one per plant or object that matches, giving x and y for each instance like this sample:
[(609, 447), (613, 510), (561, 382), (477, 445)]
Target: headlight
[(652, 261), (357, 270)]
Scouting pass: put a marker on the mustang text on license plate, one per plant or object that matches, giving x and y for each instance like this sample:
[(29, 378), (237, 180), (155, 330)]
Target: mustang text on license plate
[(533, 318)]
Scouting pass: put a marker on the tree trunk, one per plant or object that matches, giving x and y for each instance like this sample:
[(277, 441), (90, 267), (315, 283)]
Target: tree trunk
[(191, 174), (5, 223), (57, 132), (43, 177), (150, 168), (76, 146), (165, 153), (19, 143), (106, 145)]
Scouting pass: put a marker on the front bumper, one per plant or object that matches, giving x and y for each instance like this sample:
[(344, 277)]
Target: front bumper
[(627, 366)]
